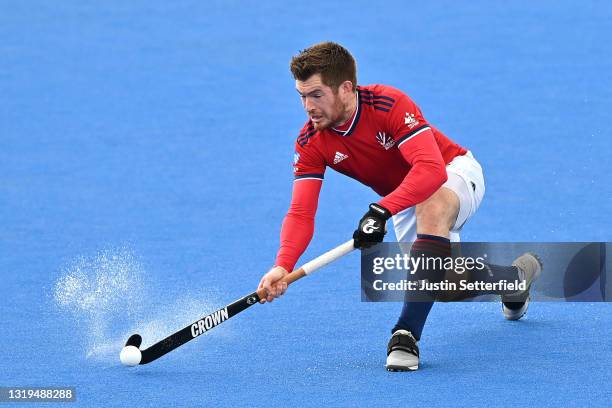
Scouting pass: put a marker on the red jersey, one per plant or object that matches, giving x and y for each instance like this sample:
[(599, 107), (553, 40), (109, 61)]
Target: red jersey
[(369, 150), (388, 146)]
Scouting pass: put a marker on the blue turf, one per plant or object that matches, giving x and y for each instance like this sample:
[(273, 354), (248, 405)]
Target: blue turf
[(161, 133)]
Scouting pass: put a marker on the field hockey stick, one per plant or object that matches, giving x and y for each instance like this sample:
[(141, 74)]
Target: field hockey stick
[(132, 355)]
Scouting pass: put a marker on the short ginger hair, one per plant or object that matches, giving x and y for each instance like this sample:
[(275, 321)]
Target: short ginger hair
[(334, 62)]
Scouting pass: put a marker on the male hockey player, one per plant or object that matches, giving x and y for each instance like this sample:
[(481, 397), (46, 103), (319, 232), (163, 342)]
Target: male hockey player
[(376, 134)]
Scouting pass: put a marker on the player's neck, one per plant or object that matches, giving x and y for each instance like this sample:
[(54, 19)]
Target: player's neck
[(348, 116)]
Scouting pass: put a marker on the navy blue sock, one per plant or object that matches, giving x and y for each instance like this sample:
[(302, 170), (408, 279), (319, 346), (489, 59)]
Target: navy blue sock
[(414, 313), (493, 274)]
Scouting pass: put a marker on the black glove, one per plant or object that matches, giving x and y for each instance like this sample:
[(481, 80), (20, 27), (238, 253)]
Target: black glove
[(372, 227)]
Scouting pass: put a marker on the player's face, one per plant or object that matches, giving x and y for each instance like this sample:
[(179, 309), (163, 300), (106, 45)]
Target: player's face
[(325, 108)]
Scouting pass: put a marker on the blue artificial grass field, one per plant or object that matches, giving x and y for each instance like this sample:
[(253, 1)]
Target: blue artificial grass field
[(145, 168)]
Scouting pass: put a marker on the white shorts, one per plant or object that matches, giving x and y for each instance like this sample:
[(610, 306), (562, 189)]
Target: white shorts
[(465, 178)]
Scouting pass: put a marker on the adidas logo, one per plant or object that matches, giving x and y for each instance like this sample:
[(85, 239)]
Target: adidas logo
[(339, 157)]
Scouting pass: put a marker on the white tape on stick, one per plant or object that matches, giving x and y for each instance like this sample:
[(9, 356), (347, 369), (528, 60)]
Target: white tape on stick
[(328, 257)]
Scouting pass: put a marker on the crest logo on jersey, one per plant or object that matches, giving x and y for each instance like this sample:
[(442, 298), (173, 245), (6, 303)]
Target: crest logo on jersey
[(410, 120), (339, 157), (296, 158), (385, 141)]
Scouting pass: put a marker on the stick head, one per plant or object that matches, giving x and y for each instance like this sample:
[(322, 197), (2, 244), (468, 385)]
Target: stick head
[(130, 354), (134, 340)]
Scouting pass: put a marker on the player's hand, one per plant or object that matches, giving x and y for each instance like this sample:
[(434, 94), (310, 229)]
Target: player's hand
[(372, 227), (271, 283)]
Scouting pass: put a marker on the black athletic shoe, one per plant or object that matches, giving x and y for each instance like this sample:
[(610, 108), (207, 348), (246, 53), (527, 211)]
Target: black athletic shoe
[(514, 306), (402, 352)]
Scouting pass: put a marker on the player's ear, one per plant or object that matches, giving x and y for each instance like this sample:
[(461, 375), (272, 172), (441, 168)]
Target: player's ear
[(346, 87)]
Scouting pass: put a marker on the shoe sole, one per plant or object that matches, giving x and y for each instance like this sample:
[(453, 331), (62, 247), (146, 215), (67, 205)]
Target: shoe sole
[(397, 369), (515, 317)]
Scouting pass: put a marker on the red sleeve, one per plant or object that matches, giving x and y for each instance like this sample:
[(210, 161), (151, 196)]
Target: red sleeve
[(308, 161), (419, 148), (426, 176), (298, 226)]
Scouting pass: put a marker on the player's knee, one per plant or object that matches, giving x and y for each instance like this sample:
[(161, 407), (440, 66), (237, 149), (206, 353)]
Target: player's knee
[(436, 216), (433, 219)]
